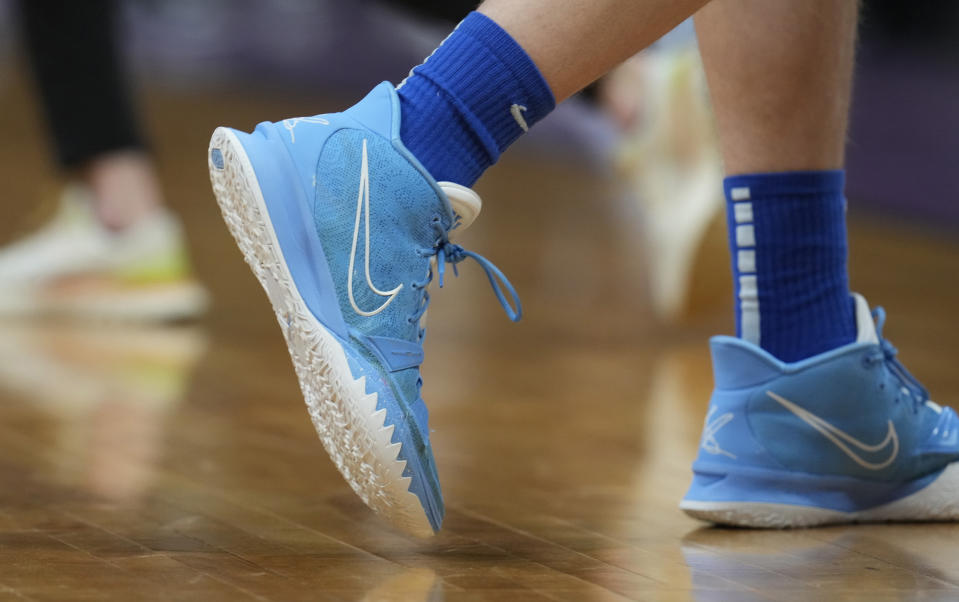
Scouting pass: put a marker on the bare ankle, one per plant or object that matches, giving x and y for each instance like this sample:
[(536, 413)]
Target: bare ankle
[(124, 188)]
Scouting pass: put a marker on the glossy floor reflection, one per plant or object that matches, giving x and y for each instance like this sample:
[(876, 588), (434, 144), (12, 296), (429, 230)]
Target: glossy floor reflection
[(180, 464), (94, 402)]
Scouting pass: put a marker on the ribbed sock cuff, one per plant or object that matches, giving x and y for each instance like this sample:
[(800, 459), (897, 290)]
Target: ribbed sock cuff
[(470, 100), (484, 72), (793, 183), (787, 233)]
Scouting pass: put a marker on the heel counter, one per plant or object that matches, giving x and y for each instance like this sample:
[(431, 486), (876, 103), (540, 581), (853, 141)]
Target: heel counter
[(739, 365), (728, 440)]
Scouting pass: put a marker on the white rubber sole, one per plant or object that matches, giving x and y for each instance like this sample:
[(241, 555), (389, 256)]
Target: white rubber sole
[(344, 415), (938, 501)]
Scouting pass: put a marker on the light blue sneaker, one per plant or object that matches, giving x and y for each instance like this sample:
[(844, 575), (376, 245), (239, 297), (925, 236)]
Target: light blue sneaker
[(844, 436), (340, 223)]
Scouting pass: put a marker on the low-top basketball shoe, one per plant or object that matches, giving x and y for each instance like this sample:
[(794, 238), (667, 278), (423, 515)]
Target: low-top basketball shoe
[(344, 228), (75, 267), (845, 436)]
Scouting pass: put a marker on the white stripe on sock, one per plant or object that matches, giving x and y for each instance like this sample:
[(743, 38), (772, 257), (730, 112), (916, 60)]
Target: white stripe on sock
[(745, 236), (749, 309)]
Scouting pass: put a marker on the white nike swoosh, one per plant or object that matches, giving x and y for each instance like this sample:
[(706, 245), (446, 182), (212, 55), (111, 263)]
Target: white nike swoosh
[(517, 112), (840, 438), (363, 206)]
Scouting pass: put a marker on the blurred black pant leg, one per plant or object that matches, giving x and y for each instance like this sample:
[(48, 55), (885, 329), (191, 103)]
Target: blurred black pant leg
[(74, 54)]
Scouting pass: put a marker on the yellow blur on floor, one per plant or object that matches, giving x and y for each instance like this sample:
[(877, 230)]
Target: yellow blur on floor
[(180, 464)]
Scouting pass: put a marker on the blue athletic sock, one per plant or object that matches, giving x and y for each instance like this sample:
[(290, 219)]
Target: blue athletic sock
[(787, 233), (472, 98)]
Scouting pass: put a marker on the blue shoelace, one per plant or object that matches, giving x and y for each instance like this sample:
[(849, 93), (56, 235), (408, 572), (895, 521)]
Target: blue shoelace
[(447, 252), (887, 355)]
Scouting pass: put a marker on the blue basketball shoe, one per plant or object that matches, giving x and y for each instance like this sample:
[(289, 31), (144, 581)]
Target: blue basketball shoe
[(340, 223), (845, 436)]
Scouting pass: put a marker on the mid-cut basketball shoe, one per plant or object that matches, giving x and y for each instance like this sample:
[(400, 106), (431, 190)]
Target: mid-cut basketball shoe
[(75, 267), (344, 228), (845, 436)]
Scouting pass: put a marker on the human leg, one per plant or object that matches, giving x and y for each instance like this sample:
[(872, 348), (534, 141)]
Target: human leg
[(339, 216), (780, 78), (504, 68), (74, 55), (574, 43), (813, 419), (112, 250)]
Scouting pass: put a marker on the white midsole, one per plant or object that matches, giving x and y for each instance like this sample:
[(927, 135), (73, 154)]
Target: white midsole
[(938, 501)]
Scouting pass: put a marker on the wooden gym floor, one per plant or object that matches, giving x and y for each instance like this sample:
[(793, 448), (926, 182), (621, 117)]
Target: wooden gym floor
[(179, 464)]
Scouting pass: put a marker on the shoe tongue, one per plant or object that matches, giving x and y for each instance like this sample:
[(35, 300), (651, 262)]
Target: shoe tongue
[(465, 203), (865, 325)]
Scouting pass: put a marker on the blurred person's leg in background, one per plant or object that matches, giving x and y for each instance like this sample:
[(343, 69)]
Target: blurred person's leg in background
[(113, 249), (75, 58), (669, 163), (451, 11)]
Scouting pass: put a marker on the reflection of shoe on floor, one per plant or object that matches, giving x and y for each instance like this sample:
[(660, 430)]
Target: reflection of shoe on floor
[(109, 390), (412, 584), (74, 267), (754, 559), (344, 230), (670, 160), (845, 436), (70, 367)]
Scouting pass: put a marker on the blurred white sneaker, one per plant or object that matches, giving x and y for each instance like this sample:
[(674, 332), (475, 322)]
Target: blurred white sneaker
[(670, 161), (75, 267)]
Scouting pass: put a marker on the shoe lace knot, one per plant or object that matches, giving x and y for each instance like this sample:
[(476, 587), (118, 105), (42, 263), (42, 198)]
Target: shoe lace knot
[(445, 252), (909, 385)]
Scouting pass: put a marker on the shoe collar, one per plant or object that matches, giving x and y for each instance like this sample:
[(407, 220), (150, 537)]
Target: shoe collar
[(731, 354), (865, 324), (457, 200)]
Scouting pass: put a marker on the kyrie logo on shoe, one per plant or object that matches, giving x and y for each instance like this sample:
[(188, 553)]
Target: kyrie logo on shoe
[(710, 444), (363, 211), (844, 440), (290, 124)]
